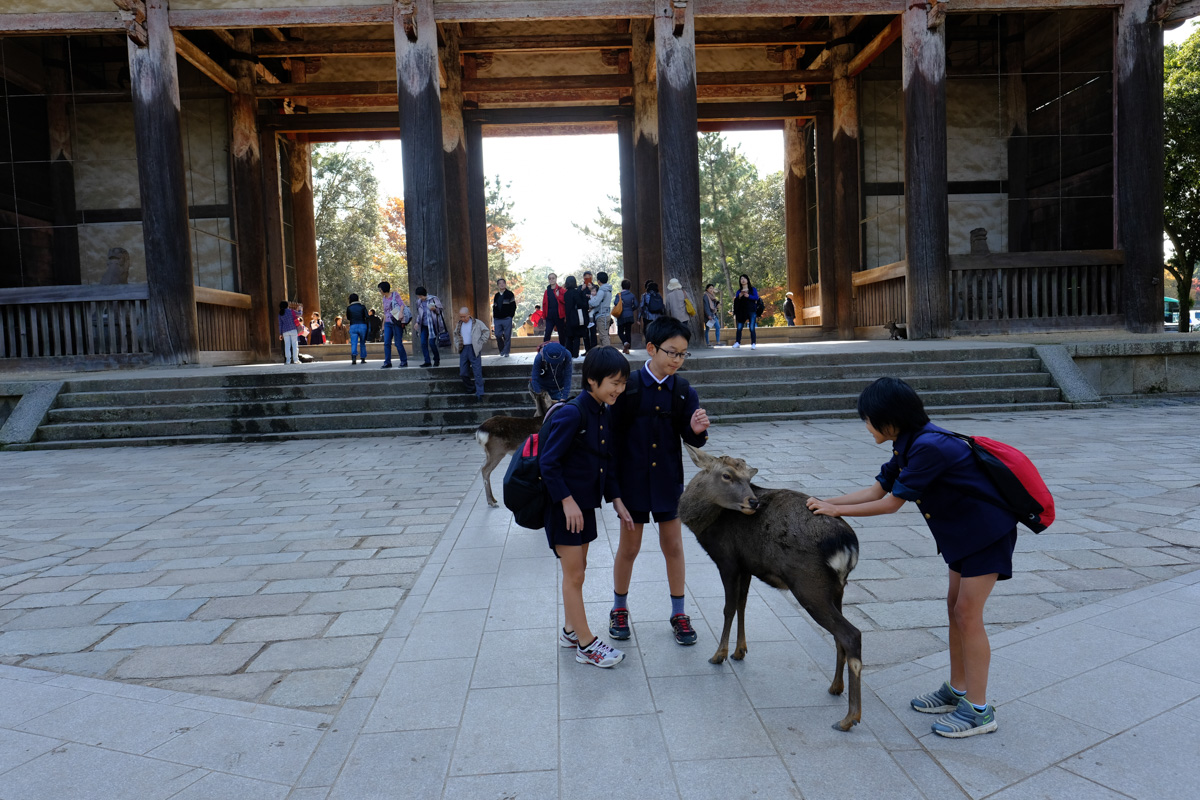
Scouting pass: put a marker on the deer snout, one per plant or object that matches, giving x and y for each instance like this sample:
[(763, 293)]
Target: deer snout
[(750, 505)]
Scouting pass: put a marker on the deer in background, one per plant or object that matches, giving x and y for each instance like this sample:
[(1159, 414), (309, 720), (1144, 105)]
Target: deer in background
[(501, 435), (770, 534)]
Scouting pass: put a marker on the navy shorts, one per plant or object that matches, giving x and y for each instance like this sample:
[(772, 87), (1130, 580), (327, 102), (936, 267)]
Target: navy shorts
[(556, 527), (996, 557), (642, 517)]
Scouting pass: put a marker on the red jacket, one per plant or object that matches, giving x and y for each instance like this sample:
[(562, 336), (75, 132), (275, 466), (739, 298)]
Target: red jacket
[(560, 293)]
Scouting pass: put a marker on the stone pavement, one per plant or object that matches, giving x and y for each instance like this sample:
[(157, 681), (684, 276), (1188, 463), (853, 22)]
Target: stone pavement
[(411, 630)]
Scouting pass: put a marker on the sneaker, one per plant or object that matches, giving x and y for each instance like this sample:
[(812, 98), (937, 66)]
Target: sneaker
[(618, 623), (754, 346), (566, 639), (426, 364), (353, 360), (939, 702), (386, 366), (599, 654), (965, 721), (685, 634)]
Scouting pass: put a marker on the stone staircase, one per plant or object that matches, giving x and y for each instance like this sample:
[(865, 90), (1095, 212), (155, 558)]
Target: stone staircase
[(294, 403)]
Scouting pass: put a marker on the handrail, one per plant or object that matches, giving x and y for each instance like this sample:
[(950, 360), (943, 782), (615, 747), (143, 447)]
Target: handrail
[(85, 293), (1038, 259), (885, 273), (219, 297)]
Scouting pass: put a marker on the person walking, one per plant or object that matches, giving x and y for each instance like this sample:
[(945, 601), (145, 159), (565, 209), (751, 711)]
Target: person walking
[(745, 310), (552, 307), (677, 301), (289, 323), (395, 315), (504, 308), (429, 325), (575, 308), (601, 304), (357, 315), (629, 310), (339, 333), (712, 315), (789, 310), (470, 335)]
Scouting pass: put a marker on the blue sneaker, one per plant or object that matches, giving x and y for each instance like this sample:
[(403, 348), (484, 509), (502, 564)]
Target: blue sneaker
[(940, 702), (965, 721)]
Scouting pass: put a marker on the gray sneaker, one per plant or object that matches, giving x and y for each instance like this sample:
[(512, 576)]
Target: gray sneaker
[(599, 654), (939, 702), (566, 639), (965, 721)]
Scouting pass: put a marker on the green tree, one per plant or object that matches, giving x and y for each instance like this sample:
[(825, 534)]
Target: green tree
[(1181, 188)]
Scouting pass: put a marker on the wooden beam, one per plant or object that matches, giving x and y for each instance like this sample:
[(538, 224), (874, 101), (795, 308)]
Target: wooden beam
[(477, 216), (826, 226), (62, 22), (457, 181), (536, 82), (204, 62), (780, 109), (646, 198), (778, 77), (876, 46), (846, 182), (795, 193), (277, 286)]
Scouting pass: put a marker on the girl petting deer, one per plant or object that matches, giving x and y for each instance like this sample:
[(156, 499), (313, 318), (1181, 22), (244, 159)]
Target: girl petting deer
[(578, 465), (974, 532)]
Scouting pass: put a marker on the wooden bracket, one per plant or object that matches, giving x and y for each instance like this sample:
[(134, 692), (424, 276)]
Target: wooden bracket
[(133, 17), (611, 58), (483, 61), (1161, 9), (936, 14), (407, 11), (679, 8)]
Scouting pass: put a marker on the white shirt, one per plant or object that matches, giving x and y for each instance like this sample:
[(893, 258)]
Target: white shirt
[(466, 332)]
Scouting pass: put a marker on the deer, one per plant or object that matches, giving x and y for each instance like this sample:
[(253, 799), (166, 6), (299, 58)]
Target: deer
[(770, 534), (501, 435)]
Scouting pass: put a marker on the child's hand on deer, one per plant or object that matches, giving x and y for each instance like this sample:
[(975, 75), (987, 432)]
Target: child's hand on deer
[(624, 515), (822, 508), (699, 421), (573, 514)]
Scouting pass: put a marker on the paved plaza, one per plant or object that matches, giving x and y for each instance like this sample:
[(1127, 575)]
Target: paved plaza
[(348, 619)]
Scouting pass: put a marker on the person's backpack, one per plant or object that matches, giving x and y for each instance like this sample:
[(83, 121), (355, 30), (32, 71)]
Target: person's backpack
[(525, 493), (619, 308), (553, 361), (1016, 479), (759, 308), (654, 304)]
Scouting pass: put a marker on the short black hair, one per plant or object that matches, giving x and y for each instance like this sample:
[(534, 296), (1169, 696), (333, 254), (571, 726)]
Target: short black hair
[(601, 363), (420, 291), (535, 308), (892, 403), (587, 272), (602, 277), (283, 306), (570, 282), (625, 284), (665, 328), (708, 286), (384, 286), (353, 297), (651, 286)]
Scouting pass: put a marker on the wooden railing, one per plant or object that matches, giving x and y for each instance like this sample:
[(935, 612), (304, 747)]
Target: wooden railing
[(810, 313), (1013, 292), (223, 319), (879, 295), (50, 321)]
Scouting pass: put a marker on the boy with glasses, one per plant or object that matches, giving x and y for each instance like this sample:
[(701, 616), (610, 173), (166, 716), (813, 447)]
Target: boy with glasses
[(657, 410)]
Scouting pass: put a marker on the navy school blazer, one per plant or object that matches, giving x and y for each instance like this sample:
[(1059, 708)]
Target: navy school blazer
[(588, 474)]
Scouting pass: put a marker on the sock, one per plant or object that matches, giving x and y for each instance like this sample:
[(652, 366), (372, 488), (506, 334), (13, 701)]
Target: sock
[(619, 601), (676, 605), (956, 691), (583, 646), (980, 709), (567, 632)]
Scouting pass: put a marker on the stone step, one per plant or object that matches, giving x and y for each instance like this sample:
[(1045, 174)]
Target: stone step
[(937, 412)]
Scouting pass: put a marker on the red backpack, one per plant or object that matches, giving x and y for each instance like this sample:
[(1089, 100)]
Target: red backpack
[(1016, 479)]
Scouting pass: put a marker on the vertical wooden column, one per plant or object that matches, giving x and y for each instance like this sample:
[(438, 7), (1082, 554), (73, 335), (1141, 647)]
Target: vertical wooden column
[(645, 157), (272, 218), (162, 180), (826, 227), (304, 224), (629, 227), (926, 211), (847, 210), (421, 135), (1139, 151), (477, 218), (454, 163), (62, 169), (795, 202), (1017, 126), (679, 151), (248, 201)]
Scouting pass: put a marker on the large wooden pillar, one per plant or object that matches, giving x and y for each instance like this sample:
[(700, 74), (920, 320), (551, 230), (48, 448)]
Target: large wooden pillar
[(629, 228), (795, 202), (154, 83), (272, 220), (65, 245), (926, 211), (679, 151), (248, 202), (421, 135), (304, 224), (454, 161), (1017, 127), (846, 205), (645, 157), (477, 218), (826, 227), (1139, 151)]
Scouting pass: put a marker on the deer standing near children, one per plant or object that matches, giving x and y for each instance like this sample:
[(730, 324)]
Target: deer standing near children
[(770, 534), (501, 435)]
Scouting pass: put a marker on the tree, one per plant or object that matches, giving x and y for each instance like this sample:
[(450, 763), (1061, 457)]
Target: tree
[(1181, 187)]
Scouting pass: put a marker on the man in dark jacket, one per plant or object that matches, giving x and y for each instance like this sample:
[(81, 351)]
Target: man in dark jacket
[(504, 306), (552, 306)]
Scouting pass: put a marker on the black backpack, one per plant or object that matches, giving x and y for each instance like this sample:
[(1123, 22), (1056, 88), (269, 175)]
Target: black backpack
[(525, 493), (654, 303), (759, 308)]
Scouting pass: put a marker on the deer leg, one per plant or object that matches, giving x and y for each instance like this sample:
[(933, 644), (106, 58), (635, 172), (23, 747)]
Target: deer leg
[(732, 581), (494, 457), (849, 645), (837, 685), (743, 593)]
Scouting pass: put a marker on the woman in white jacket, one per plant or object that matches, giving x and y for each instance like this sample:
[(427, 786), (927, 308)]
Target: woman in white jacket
[(601, 305), (676, 307)]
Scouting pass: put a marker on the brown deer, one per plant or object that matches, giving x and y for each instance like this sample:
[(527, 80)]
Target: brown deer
[(770, 534), (501, 435)]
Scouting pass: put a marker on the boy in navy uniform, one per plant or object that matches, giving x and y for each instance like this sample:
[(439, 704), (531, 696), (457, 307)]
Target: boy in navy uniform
[(971, 524), (656, 412)]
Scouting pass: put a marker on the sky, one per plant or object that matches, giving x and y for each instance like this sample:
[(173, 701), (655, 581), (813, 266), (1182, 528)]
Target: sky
[(554, 181)]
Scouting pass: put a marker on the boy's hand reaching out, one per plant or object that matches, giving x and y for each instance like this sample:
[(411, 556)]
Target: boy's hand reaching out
[(699, 421), (822, 508)]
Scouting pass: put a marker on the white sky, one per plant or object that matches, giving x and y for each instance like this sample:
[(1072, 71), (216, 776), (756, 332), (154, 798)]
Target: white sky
[(556, 180)]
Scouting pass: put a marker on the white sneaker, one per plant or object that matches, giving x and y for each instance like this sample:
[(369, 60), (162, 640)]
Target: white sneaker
[(737, 344), (754, 347), (599, 654), (567, 639)]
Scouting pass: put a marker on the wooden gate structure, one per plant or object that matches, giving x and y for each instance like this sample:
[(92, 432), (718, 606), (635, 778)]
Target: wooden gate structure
[(178, 132)]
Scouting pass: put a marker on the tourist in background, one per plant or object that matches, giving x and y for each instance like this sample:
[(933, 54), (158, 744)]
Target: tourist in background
[(712, 315), (429, 324), (374, 326), (395, 315), (601, 303), (470, 335), (745, 310), (789, 310), (316, 329), (629, 310), (504, 307), (288, 324), (677, 301), (652, 306), (356, 315), (552, 371), (339, 333), (575, 314), (552, 307)]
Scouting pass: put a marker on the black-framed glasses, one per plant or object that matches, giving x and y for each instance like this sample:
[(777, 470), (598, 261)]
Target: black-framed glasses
[(674, 354)]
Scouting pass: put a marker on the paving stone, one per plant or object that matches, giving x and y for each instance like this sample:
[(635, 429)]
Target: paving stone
[(272, 629), (182, 660), (314, 654), (218, 786), (372, 770), (249, 687), (51, 640), (153, 611), (165, 634), (528, 717), (252, 606), (93, 664), (228, 589), (318, 687), (49, 599), (356, 623), (353, 600), (111, 775), (115, 723), (17, 748), (57, 617), (250, 748), (134, 594)]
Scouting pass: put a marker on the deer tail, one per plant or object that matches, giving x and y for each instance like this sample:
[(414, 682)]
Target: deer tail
[(481, 436)]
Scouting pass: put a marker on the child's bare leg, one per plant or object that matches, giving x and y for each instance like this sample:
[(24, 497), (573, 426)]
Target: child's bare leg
[(958, 674), (627, 552), (973, 640), (670, 538), (574, 564)]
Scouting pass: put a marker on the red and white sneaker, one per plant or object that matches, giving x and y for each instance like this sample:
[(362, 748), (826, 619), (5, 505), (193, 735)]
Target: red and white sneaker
[(599, 654), (566, 639)]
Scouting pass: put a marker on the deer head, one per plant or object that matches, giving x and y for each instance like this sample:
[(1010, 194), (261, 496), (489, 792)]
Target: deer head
[(723, 481), (542, 402)]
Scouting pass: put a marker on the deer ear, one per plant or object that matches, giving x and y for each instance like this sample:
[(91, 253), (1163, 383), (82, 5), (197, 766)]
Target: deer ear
[(753, 472), (699, 458)]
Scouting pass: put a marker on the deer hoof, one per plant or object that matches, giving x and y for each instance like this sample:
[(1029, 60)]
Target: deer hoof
[(849, 722), (493, 504), (718, 657), (740, 653)]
